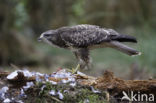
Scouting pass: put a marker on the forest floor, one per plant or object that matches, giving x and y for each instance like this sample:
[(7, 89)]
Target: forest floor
[(72, 86)]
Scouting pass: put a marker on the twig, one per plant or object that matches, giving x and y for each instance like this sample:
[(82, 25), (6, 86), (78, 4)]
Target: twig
[(54, 98)]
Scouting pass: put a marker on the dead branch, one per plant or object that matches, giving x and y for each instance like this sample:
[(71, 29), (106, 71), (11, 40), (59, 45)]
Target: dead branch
[(107, 82)]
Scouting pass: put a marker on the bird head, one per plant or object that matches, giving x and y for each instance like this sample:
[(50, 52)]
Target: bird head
[(49, 36)]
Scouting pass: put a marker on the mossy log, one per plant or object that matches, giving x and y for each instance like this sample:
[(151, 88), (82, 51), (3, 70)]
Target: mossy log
[(111, 86)]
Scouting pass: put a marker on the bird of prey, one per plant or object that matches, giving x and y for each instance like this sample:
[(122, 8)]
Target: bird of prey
[(80, 39)]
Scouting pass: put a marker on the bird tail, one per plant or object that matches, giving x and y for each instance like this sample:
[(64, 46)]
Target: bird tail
[(125, 49), (124, 38)]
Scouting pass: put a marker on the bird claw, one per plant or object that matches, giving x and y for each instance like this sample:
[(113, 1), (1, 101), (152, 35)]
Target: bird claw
[(76, 69)]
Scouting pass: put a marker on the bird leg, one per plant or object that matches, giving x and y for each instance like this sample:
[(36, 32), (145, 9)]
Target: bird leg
[(83, 56), (76, 69)]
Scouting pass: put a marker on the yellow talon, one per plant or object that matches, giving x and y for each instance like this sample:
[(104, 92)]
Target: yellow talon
[(76, 69)]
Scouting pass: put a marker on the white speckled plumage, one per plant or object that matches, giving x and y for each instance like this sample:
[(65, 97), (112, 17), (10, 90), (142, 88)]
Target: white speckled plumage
[(82, 38)]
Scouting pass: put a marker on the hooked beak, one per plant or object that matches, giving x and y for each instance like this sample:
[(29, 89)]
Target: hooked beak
[(39, 39)]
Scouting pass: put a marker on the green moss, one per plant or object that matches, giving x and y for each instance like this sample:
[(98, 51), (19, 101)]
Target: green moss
[(96, 99), (77, 94)]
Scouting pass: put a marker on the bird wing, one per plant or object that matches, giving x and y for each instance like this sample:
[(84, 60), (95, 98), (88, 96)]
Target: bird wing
[(84, 35)]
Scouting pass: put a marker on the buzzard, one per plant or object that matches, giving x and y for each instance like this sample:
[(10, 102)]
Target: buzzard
[(81, 38)]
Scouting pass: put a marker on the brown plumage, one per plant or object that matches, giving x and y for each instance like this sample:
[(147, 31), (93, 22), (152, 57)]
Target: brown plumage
[(82, 38)]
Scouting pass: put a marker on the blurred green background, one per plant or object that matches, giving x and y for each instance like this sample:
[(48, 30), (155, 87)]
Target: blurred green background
[(22, 21)]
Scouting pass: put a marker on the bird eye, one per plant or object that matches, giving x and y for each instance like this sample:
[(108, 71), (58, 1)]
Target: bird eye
[(46, 35)]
